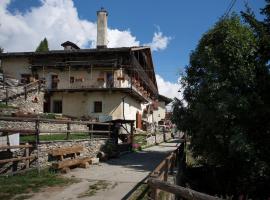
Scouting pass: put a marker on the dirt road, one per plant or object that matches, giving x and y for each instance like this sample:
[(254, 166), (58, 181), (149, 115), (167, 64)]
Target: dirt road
[(113, 180)]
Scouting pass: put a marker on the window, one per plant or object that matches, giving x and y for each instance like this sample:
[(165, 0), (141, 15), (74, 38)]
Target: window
[(71, 79), (97, 106), (57, 106)]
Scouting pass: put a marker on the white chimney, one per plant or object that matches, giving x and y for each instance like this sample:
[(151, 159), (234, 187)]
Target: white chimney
[(102, 28)]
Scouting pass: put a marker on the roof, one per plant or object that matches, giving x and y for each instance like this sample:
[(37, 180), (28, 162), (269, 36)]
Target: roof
[(68, 43), (74, 52), (165, 99)]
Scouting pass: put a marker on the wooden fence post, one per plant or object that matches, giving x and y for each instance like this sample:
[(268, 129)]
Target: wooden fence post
[(166, 170), (68, 131), (153, 190), (27, 161), (91, 131), (25, 93), (37, 131)]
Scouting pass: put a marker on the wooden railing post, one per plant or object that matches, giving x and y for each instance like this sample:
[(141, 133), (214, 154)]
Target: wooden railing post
[(27, 161), (37, 131), (153, 189), (25, 92), (91, 127), (166, 170), (68, 131)]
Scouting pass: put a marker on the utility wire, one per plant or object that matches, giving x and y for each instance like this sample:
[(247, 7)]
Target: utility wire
[(228, 10)]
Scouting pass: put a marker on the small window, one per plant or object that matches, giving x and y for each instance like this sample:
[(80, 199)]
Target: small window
[(57, 106), (97, 106), (71, 79)]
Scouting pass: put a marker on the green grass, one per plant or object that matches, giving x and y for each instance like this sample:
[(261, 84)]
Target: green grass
[(140, 139), (52, 137), (3, 105), (21, 186)]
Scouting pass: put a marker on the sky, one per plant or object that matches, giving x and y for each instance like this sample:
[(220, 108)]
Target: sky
[(171, 28)]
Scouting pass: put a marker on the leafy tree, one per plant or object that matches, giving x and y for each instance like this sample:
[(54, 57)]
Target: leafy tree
[(226, 116), (43, 46), (1, 50)]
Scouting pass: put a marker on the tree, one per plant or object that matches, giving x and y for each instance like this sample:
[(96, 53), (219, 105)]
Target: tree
[(43, 46), (226, 113), (1, 50)]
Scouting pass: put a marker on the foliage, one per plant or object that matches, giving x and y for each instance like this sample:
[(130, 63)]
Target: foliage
[(43, 46), (29, 182), (1, 50), (225, 112)]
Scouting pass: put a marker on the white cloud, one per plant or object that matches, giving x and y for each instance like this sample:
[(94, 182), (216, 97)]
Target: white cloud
[(159, 41), (58, 20), (168, 88)]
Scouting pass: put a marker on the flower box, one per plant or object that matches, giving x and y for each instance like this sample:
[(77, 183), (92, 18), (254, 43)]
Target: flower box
[(120, 78), (100, 78)]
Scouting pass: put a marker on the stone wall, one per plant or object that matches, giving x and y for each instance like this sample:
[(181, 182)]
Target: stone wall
[(158, 138), (29, 105), (91, 148), (43, 126)]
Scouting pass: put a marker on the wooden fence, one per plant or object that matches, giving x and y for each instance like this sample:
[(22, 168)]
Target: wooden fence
[(158, 178), (37, 131)]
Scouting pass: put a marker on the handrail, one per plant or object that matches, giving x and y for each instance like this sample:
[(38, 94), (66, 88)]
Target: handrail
[(183, 192), (25, 119)]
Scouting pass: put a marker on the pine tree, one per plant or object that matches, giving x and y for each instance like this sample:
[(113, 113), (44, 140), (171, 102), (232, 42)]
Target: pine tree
[(43, 46)]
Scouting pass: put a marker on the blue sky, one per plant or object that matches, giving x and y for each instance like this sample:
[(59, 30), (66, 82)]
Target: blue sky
[(184, 21)]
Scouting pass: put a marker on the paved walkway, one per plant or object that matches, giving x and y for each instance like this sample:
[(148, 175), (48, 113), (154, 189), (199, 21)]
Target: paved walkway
[(115, 178)]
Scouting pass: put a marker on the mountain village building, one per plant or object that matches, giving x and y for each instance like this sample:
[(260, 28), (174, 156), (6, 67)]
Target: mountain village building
[(101, 84)]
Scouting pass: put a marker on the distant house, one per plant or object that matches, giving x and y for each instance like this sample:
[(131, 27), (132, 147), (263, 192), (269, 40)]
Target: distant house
[(101, 83)]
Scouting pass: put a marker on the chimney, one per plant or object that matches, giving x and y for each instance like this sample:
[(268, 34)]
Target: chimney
[(102, 41)]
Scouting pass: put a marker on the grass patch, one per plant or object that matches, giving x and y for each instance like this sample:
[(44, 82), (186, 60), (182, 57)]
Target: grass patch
[(140, 139), (93, 189), (3, 105), (52, 137), (19, 186)]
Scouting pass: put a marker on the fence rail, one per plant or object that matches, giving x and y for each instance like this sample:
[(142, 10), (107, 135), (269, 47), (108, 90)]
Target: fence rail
[(37, 131), (158, 178)]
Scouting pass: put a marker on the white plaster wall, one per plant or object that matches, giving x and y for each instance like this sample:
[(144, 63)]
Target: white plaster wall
[(160, 113)]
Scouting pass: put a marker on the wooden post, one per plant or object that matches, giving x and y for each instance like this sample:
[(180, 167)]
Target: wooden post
[(153, 189), (172, 164), (166, 170), (131, 134), (109, 129), (25, 92), (91, 131), (37, 131), (27, 161), (68, 131), (37, 142)]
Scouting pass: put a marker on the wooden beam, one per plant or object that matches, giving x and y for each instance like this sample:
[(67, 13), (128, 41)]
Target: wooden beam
[(183, 192), (16, 146), (69, 163), (65, 151), (26, 119), (16, 159)]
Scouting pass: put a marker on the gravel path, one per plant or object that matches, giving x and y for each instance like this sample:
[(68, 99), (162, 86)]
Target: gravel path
[(113, 180)]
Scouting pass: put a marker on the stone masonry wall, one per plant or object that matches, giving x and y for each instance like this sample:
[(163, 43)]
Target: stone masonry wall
[(43, 126), (29, 105), (158, 138), (90, 149)]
